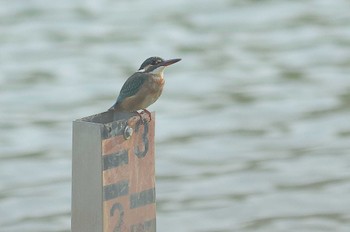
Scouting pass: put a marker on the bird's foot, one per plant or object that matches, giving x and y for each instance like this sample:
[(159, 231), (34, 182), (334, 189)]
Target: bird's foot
[(148, 113), (140, 115), (142, 118)]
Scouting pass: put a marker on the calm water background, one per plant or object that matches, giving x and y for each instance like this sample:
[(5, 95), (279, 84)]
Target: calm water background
[(253, 126)]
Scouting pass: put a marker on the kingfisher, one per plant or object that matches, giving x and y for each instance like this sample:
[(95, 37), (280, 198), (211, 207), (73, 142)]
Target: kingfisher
[(144, 87)]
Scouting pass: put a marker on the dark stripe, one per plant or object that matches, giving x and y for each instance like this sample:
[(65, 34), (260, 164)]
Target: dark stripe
[(116, 190), (115, 160), (142, 198), (147, 226)]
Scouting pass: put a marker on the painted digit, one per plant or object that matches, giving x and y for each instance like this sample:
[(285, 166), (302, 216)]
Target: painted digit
[(138, 152), (119, 207)]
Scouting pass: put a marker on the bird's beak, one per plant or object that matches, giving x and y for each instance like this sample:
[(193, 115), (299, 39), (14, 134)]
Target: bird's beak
[(169, 62)]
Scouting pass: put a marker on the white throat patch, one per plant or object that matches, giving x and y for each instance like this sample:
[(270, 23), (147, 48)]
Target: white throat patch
[(158, 70)]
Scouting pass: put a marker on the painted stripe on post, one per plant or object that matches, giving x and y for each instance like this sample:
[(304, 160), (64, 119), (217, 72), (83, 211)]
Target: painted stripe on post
[(116, 190), (115, 160), (142, 198), (145, 226)]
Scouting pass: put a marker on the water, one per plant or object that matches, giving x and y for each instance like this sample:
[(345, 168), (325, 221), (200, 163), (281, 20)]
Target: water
[(252, 128)]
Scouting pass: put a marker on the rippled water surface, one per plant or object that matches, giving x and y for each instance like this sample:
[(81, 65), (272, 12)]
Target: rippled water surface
[(252, 128)]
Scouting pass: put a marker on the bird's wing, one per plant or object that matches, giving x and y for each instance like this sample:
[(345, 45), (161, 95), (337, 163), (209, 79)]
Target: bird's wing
[(131, 86)]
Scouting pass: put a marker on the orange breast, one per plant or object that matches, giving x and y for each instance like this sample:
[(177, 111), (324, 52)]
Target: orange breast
[(147, 95)]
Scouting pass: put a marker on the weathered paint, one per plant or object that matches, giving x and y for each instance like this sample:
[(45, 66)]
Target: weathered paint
[(126, 168)]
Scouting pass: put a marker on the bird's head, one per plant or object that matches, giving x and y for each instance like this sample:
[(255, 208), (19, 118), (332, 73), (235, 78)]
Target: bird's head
[(156, 65)]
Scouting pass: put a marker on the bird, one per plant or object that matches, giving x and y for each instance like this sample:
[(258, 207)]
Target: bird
[(144, 87)]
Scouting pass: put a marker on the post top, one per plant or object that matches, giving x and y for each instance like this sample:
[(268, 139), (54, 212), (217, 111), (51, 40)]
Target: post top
[(111, 123), (107, 117)]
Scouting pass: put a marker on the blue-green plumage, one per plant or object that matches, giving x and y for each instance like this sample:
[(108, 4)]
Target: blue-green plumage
[(131, 86)]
